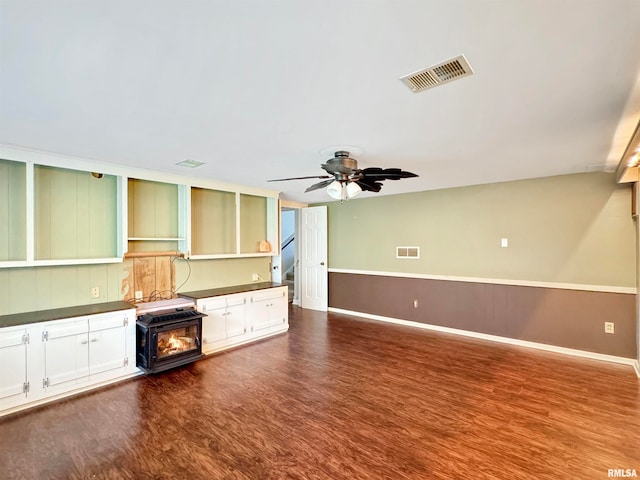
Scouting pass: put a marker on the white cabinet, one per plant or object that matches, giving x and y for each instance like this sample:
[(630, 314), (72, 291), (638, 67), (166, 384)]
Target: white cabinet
[(13, 366), (214, 329), (66, 354), (111, 343), (241, 318), (268, 309), (43, 361), (224, 323), (235, 318)]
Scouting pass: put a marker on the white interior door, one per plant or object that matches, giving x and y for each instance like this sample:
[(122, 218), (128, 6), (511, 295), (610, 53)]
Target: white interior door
[(313, 258)]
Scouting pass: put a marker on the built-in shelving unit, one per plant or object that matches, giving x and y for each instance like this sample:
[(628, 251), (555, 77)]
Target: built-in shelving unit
[(75, 214), (13, 212), (57, 210), (231, 224), (155, 213), (253, 223), (57, 216), (213, 222)]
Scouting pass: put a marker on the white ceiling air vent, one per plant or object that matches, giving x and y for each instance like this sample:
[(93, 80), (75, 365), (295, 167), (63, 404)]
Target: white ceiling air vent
[(438, 74)]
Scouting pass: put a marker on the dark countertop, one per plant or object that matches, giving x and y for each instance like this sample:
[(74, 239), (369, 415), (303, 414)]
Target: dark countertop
[(25, 318), (216, 292)]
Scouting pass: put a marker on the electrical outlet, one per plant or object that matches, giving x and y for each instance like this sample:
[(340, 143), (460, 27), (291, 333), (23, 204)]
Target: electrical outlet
[(95, 292), (415, 303), (255, 277), (609, 327), (504, 242), (138, 295)]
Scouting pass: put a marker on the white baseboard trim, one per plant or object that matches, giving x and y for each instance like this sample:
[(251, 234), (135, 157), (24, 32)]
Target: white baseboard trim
[(495, 338)]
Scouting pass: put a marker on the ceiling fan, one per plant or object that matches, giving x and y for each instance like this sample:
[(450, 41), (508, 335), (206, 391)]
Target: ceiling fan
[(346, 180)]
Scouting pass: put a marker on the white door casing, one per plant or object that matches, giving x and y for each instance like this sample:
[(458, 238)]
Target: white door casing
[(313, 258)]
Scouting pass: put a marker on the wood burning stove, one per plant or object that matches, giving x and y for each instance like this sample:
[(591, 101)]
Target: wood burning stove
[(168, 338)]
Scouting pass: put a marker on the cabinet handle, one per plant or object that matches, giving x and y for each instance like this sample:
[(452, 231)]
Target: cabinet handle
[(93, 340), (84, 342)]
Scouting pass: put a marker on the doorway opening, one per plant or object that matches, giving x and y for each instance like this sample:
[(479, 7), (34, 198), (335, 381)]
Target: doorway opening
[(288, 249)]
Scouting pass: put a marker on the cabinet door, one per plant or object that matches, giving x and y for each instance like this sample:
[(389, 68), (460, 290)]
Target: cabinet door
[(259, 313), (214, 332), (66, 347), (107, 350), (279, 310), (13, 367), (235, 318), (267, 311), (107, 342)]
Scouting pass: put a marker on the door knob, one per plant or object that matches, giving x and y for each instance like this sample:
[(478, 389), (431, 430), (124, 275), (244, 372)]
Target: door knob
[(322, 263)]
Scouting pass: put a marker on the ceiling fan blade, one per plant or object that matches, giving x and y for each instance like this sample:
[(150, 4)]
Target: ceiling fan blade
[(298, 178), (387, 173), (369, 185), (372, 171), (319, 185)]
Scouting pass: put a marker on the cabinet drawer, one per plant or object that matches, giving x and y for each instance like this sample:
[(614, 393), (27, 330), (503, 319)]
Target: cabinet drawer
[(212, 304), (67, 329), (268, 295), (105, 322), (235, 301), (12, 339)]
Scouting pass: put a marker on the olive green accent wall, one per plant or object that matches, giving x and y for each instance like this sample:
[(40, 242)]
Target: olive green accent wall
[(75, 214), (13, 228), (217, 273), (566, 229), (42, 288), (253, 222), (213, 220), (153, 209)]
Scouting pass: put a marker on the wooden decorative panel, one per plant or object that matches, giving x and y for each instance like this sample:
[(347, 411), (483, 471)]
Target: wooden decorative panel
[(154, 276)]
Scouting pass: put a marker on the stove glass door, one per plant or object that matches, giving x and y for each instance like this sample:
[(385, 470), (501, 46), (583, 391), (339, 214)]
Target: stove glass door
[(177, 340)]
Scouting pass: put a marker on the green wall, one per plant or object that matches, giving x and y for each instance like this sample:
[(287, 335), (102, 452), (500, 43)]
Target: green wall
[(13, 228), (76, 217), (42, 288), (567, 229), (75, 214)]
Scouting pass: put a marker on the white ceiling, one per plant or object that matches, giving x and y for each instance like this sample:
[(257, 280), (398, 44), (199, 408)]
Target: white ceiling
[(259, 89)]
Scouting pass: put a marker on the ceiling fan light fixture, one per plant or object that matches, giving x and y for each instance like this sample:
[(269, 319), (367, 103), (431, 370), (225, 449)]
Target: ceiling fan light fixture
[(342, 190), (335, 190), (352, 189)]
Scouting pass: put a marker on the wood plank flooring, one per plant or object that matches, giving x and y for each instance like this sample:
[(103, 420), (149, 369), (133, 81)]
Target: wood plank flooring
[(343, 398)]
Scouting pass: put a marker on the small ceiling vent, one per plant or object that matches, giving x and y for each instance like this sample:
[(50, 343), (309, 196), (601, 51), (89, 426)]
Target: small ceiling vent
[(438, 74)]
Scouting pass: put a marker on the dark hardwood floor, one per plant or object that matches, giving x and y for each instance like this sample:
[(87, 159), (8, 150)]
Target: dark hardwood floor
[(343, 398)]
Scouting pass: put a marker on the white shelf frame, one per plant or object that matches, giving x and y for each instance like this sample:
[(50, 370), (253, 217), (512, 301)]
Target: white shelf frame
[(31, 158)]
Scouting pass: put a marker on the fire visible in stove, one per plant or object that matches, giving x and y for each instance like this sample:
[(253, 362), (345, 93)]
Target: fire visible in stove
[(176, 341)]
